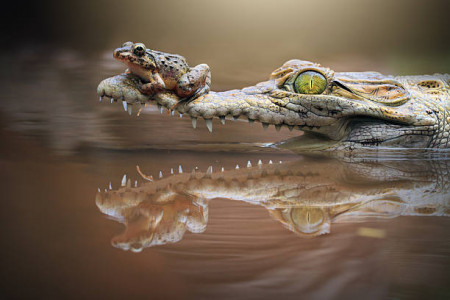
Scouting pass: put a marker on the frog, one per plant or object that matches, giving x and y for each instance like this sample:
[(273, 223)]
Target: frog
[(160, 71)]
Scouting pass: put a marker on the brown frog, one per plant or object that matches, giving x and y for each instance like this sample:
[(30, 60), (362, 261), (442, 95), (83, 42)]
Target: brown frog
[(163, 71)]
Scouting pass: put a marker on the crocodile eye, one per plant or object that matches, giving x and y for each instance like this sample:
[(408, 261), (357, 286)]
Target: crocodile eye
[(310, 82), (139, 49), (127, 44)]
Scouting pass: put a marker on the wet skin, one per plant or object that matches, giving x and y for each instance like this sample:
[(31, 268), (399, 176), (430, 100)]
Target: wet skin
[(163, 71)]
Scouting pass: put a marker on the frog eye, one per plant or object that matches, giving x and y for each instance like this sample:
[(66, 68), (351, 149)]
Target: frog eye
[(310, 82), (139, 49)]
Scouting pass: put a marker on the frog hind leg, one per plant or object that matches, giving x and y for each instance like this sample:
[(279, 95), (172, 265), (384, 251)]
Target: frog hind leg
[(194, 83)]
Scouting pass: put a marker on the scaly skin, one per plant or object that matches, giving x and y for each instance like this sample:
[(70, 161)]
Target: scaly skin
[(354, 110), (305, 196)]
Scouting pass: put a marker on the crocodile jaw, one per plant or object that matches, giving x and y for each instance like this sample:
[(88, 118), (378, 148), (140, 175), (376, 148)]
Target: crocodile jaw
[(333, 121)]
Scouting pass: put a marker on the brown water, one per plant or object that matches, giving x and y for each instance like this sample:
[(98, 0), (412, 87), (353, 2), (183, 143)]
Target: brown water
[(388, 238)]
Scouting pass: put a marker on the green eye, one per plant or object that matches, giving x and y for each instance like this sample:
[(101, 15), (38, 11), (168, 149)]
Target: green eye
[(310, 82)]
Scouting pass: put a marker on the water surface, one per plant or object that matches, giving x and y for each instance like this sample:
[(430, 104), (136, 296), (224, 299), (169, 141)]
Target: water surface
[(326, 229)]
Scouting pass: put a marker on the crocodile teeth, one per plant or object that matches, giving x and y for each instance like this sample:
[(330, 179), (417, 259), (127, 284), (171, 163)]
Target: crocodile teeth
[(237, 167), (209, 124), (110, 186), (265, 125), (160, 174), (125, 105), (270, 162), (111, 100), (124, 180), (222, 169), (128, 183), (172, 113), (181, 115), (180, 169), (130, 109), (278, 127), (259, 162), (222, 120), (194, 122), (100, 99), (161, 109), (249, 164), (171, 170), (98, 189), (135, 183)]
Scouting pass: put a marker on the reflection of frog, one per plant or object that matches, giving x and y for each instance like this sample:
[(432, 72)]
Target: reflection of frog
[(163, 71)]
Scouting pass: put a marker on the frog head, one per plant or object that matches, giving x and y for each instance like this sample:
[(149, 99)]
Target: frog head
[(137, 57)]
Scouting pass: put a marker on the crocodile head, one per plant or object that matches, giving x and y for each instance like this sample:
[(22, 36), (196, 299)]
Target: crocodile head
[(335, 110)]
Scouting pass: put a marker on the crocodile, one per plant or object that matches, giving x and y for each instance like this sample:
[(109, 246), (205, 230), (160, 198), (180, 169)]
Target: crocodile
[(335, 110), (306, 196)]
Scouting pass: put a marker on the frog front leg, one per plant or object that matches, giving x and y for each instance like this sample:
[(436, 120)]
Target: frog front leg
[(194, 83), (155, 85)]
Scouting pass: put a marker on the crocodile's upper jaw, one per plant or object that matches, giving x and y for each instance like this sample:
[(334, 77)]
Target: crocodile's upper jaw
[(356, 109)]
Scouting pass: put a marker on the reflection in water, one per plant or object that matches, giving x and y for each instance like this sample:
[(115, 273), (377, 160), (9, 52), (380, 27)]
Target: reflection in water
[(306, 196)]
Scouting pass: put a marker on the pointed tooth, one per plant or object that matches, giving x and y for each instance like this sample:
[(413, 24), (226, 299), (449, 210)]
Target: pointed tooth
[(209, 124), (181, 115), (251, 121), (281, 162), (160, 174), (101, 99), (249, 164), (222, 169), (222, 120), (290, 127), (259, 162), (110, 186), (194, 122), (193, 173), (111, 100), (98, 190), (237, 167), (106, 190), (180, 169), (130, 109), (125, 105), (161, 109), (139, 112), (270, 162), (172, 113), (209, 171), (135, 183), (171, 170), (265, 125), (124, 180), (278, 127), (128, 183)]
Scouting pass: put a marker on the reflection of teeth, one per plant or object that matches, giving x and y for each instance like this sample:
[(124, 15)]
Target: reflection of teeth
[(110, 186), (171, 170), (259, 162), (237, 167), (222, 120), (180, 169), (98, 189), (278, 127), (135, 183), (209, 171), (223, 169), (100, 98), (160, 174), (124, 180), (128, 183), (194, 122), (249, 164), (270, 162)]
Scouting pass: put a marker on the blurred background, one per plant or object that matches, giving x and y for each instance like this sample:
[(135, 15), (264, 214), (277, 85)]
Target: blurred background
[(59, 144)]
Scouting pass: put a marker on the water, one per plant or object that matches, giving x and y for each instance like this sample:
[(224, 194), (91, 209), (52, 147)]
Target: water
[(313, 227)]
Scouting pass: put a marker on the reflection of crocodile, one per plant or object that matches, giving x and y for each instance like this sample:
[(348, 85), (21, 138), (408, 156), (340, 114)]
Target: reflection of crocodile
[(306, 197), (336, 110)]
